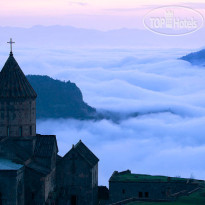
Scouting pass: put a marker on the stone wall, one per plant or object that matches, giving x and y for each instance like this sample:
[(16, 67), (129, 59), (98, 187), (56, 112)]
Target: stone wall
[(75, 180), (95, 183), (50, 183), (17, 117), (10, 146), (34, 187), (146, 190), (12, 187), (26, 143)]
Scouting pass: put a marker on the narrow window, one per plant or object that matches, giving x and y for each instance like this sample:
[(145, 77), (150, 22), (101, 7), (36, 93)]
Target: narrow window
[(20, 131), (1, 201), (168, 192), (73, 200), (2, 115), (30, 130), (8, 131), (123, 191), (146, 194), (140, 195), (32, 195)]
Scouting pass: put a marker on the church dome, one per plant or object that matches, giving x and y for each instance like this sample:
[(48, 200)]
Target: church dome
[(13, 82)]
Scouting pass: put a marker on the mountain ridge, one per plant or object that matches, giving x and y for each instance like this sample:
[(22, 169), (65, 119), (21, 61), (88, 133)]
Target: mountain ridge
[(58, 99), (69, 36), (195, 58)]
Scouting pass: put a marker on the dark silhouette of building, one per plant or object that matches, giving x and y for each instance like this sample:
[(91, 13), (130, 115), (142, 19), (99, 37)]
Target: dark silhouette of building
[(28, 161), (103, 194), (17, 102), (125, 187), (77, 177)]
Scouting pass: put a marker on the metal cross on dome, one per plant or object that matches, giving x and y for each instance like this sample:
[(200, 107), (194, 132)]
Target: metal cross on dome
[(11, 42)]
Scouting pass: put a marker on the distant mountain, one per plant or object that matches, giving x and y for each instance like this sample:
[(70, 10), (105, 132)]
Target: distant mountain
[(57, 99), (197, 58), (68, 36)]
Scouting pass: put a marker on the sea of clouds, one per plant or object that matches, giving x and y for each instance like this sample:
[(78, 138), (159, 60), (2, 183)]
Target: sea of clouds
[(166, 136)]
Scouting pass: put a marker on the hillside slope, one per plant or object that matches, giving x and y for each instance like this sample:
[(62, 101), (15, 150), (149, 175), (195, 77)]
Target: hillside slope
[(197, 58), (57, 99)]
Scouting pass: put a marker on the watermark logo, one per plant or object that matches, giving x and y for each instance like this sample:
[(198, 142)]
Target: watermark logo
[(173, 20)]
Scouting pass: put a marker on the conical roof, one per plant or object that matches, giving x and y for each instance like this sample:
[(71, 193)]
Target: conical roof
[(13, 82)]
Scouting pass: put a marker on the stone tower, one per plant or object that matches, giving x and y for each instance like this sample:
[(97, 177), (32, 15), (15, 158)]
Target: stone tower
[(17, 102)]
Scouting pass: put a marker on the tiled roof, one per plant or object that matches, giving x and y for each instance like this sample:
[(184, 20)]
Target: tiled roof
[(38, 168), (20, 153), (6, 164), (44, 145), (86, 153), (13, 82)]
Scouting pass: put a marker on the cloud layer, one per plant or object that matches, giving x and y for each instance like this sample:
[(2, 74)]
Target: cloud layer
[(169, 94), (154, 144)]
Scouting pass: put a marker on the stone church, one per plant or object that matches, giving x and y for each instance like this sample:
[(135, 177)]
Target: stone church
[(31, 171)]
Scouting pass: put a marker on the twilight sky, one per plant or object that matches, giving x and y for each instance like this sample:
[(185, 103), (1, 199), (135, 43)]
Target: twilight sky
[(168, 138), (104, 14)]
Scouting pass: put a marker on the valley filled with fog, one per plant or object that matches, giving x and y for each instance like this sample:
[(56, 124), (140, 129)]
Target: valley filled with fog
[(165, 137)]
